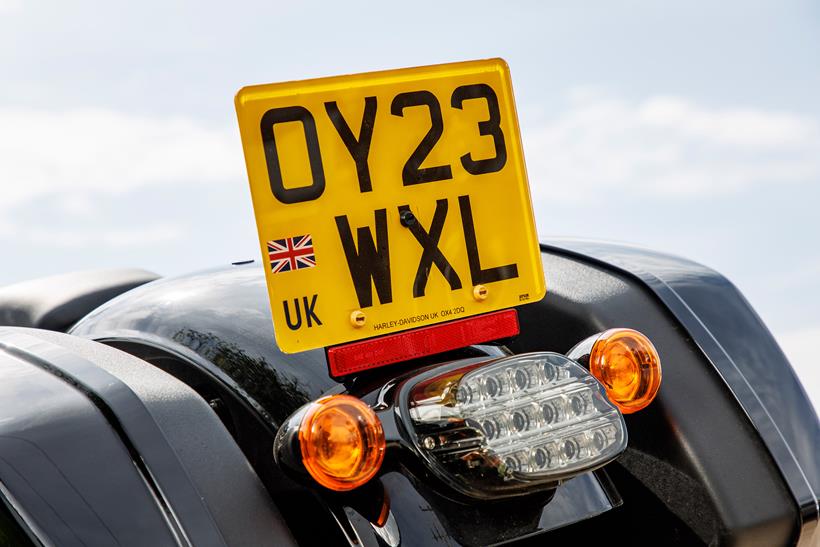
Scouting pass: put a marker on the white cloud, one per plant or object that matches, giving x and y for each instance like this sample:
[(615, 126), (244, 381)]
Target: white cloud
[(10, 6), (77, 205), (799, 274), (668, 147), (800, 347), (74, 239), (662, 146), (69, 153)]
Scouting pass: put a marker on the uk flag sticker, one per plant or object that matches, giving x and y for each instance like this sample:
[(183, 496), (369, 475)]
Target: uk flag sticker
[(291, 253)]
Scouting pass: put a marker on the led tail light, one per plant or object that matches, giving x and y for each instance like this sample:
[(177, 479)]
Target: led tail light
[(504, 427)]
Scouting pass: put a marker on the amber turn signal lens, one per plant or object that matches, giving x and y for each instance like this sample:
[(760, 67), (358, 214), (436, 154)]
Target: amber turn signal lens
[(628, 366), (342, 442)]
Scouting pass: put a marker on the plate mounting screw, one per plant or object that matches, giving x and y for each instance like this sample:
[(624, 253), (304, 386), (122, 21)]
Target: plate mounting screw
[(480, 292), (429, 443), (357, 318), (407, 218)]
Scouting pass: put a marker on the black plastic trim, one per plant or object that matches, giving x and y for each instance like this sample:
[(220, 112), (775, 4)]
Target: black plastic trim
[(642, 266), (187, 513)]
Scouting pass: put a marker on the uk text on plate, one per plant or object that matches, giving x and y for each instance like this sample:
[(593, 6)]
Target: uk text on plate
[(389, 200)]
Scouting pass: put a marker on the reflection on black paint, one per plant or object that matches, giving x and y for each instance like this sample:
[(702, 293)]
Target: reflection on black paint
[(277, 393)]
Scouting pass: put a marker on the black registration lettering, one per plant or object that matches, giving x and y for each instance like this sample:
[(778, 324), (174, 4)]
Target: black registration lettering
[(488, 127), (310, 310), (413, 173), (478, 275), (431, 254), (295, 323), (370, 261), (277, 185), (359, 148)]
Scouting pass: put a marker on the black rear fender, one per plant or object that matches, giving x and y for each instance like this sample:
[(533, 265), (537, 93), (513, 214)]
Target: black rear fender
[(100, 448)]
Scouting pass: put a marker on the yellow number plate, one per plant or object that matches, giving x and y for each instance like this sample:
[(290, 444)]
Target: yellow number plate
[(390, 200)]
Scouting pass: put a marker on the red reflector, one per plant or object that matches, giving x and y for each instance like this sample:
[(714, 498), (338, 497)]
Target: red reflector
[(403, 346)]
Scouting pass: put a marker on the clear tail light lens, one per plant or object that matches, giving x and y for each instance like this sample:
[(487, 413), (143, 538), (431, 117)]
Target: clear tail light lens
[(500, 428)]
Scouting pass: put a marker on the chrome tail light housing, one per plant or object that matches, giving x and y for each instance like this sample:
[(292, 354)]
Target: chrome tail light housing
[(512, 425)]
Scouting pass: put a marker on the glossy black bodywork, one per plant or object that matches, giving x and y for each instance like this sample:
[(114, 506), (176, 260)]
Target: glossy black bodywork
[(64, 492), (740, 347), (700, 461), (213, 330), (59, 301), (100, 448), (154, 458)]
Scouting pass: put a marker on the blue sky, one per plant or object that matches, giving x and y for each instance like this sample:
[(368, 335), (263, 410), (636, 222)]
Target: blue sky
[(691, 127)]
